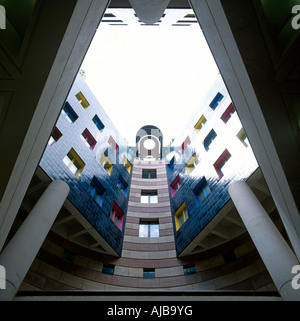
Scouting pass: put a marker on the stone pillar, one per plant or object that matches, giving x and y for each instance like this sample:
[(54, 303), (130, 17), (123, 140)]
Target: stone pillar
[(273, 249), (20, 252)]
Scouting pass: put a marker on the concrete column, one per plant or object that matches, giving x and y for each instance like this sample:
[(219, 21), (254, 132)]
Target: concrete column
[(20, 252), (273, 249)]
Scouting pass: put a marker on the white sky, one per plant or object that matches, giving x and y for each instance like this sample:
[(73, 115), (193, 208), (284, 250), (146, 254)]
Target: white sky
[(149, 76)]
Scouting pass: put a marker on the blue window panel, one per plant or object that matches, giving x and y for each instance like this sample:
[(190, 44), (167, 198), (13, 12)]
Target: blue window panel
[(69, 111), (148, 274), (201, 191), (97, 191), (108, 269), (98, 123), (188, 270), (123, 186), (209, 138), (171, 165), (214, 104)]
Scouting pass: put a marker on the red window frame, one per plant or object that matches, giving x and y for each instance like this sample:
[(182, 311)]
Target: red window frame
[(221, 161)]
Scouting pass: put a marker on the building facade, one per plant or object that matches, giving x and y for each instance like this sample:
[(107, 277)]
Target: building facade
[(147, 205), (256, 49)]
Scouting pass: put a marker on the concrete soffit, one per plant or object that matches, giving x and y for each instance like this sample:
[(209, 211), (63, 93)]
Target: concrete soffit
[(149, 11)]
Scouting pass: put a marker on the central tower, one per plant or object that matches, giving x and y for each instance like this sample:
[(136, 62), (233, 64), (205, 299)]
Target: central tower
[(149, 141)]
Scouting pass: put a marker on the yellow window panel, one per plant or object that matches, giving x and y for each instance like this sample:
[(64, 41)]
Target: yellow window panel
[(106, 164), (200, 124), (74, 163), (181, 216), (191, 164), (82, 100), (127, 164)]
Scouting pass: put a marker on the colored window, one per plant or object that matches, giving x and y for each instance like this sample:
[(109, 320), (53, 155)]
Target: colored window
[(149, 197), (106, 163), (98, 123), (209, 139), (191, 164), (97, 191), (89, 140), (149, 229), (243, 137), (82, 100), (200, 123), (201, 191), (222, 160), (108, 269), (69, 113), (216, 101), (117, 216), (181, 216), (228, 113), (171, 165), (149, 273), (189, 269), (113, 144), (74, 163), (123, 186), (127, 164), (149, 173), (185, 145), (55, 136), (175, 185)]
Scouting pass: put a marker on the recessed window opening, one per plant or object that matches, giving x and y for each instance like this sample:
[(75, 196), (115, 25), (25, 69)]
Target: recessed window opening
[(88, 139), (123, 186), (117, 216), (149, 228), (228, 113), (149, 197), (191, 164), (209, 139), (175, 185), (189, 269), (171, 165), (82, 100), (149, 273), (74, 163), (201, 191), (222, 160), (69, 113), (108, 269), (185, 145), (55, 136), (98, 123), (97, 191), (216, 101), (106, 163), (201, 122), (113, 144), (181, 215), (149, 173), (243, 137), (127, 164)]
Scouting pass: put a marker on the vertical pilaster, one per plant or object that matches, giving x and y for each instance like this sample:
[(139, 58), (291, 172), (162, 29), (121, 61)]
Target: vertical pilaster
[(20, 252), (273, 249)]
